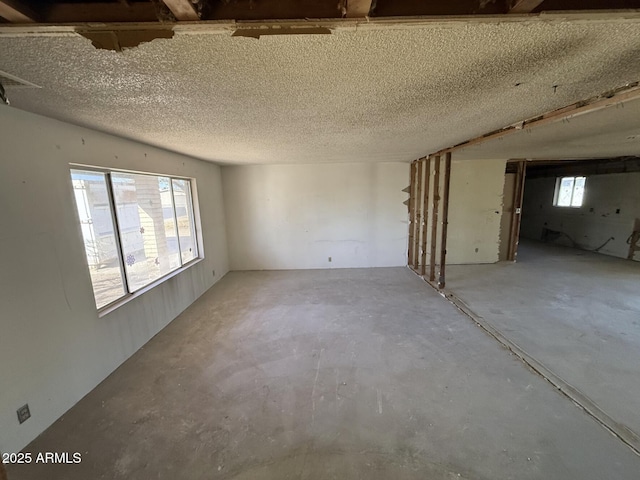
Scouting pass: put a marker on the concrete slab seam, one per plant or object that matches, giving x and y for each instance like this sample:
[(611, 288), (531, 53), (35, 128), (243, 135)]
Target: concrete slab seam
[(620, 431)]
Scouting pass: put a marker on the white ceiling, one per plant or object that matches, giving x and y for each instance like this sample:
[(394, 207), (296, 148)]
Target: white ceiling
[(610, 132), (373, 93)]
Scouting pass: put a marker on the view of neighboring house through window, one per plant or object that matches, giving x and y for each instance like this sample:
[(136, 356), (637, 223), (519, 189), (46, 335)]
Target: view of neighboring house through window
[(136, 229), (569, 191)]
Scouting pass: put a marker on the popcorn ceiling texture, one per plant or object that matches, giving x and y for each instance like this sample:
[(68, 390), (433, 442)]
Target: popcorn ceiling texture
[(385, 94), (607, 133)]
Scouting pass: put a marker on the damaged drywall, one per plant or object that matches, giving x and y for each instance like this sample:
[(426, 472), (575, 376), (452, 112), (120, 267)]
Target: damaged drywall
[(365, 93), (118, 40)]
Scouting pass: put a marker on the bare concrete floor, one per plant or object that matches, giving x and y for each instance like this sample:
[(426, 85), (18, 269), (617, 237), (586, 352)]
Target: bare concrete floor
[(332, 374), (576, 312)]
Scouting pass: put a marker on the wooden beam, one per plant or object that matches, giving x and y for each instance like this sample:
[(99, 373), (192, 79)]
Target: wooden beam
[(434, 217), (425, 215), (445, 220), (16, 12), (183, 10), (523, 6), (516, 213), (608, 99), (418, 217), (358, 8), (412, 206), (101, 12)]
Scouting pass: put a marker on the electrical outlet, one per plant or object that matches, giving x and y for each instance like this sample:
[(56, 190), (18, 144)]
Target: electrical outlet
[(214, 272), (329, 259), (23, 413)]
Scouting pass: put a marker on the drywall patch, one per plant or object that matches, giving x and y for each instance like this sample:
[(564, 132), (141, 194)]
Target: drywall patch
[(118, 40)]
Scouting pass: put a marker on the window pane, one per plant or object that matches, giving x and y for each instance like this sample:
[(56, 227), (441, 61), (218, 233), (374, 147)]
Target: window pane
[(184, 213), (565, 191), (578, 192), (147, 227), (96, 221)]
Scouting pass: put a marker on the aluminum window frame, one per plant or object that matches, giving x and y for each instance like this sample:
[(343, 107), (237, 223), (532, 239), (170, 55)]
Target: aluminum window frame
[(195, 216), (558, 186)]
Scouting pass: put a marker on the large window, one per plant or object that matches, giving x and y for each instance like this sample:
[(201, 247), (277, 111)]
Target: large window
[(136, 229), (569, 192)]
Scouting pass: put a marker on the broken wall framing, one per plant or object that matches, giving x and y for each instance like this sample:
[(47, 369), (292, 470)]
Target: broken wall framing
[(428, 217)]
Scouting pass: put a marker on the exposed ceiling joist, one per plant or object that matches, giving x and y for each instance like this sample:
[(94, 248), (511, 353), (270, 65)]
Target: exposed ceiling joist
[(523, 6), (16, 12), (617, 96), (101, 12), (183, 10), (357, 8)]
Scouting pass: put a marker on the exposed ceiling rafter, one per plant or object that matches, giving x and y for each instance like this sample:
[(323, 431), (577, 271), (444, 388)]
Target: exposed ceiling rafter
[(101, 12), (183, 10), (17, 12), (522, 6), (357, 8), (608, 99)]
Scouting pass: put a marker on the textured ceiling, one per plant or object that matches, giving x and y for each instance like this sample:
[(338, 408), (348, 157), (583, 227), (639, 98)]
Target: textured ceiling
[(378, 93), (610, 132)]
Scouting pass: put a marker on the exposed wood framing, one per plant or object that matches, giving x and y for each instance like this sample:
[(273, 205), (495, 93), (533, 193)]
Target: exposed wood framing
[(445, 220), (101, 12), (559, 168), (183, 10), (634, 240), (516, 214), (434, 217), (357, 8), (523, 6), (412, 206), (17, 12), (608, 99), (118, 40), (425, 215), (418, 217)]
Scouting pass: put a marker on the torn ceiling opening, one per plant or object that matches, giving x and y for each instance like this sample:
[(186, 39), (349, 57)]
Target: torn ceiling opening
[(168, 11), (366, 92)]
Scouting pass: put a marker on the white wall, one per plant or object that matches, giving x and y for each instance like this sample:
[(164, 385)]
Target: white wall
[(53, 347), (475, 211), (297, 216), (592, 224)]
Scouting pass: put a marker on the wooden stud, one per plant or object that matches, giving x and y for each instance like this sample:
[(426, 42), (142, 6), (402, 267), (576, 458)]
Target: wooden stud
[(16, 12), (445, 220), (523, 6), (412, 203), (418, 217), (516, 214), (182, 9), (358, 8), (102, 13), (425, 215), (434, 217)]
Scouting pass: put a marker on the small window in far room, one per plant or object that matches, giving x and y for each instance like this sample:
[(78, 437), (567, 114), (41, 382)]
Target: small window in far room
[(569, 192)]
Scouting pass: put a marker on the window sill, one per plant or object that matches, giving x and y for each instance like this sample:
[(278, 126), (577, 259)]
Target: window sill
[(131, 296)]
